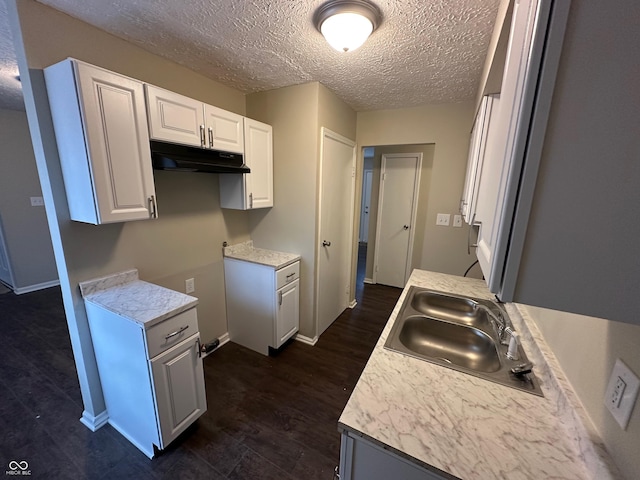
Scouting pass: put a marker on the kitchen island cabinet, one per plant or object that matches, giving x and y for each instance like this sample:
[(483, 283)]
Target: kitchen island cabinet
[(446, 423), (263, 296), (147, 348), (101, 130), (175, 118)]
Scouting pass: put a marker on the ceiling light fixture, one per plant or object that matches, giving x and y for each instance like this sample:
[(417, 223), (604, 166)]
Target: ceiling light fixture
[(346, 24)]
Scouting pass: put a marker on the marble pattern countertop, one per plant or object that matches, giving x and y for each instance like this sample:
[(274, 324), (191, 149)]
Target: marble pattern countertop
[(247, 252), (144, 303), (472, 428)]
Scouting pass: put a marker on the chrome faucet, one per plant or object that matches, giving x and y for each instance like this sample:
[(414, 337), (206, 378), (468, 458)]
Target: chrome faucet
[(503, 330)]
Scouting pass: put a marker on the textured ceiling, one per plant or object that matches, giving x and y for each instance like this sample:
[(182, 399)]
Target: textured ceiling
[(425, 51), (10, 89)]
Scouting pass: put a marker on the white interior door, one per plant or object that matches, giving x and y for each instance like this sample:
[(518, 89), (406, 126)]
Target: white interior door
[(335, 230), (366, 206), (399, 181)]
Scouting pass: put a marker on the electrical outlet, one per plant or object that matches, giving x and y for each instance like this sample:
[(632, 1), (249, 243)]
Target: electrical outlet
[(443, 219), (37, 202), (190, 285), (621, 393), (457, 221)]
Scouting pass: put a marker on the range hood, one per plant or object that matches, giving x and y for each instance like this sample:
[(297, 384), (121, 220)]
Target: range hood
[(171, 156)]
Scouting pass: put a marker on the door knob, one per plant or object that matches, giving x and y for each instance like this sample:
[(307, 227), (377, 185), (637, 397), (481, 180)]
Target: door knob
[(326, 244), (406, 227)]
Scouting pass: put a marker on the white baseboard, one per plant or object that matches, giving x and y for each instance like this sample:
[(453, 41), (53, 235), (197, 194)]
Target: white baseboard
[(37, 286), (307, 340), (353, 303), (146, 449), (223, 339), (368, 280), (92, 422)]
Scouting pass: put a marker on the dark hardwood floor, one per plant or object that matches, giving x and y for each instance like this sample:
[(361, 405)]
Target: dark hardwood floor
[(267, 418)]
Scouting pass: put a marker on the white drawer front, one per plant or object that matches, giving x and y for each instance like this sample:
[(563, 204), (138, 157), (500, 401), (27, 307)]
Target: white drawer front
[(171, 332), (287, 275)]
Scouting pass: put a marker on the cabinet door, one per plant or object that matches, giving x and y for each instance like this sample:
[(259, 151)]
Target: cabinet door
[(225, 130), (175, 118), (477, 149), (259, 158), (507, 145), (117, 143), (287, 312), (178, 380)]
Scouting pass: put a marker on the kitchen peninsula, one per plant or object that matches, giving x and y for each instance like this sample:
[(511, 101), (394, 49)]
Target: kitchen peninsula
[(427, 421)]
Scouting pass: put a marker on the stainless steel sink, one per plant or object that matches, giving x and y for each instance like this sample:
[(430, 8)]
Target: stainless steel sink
[(461, 333), (460, 345)]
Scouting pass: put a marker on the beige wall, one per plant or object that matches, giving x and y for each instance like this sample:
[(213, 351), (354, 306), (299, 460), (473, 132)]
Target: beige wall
[(587, 349), (186, 241), (290, 225), (297, 113), (25, 227), (444, 249), (427, 152)]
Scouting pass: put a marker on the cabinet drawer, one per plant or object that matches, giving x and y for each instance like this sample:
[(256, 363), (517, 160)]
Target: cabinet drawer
[(171, 332), (287, 274)]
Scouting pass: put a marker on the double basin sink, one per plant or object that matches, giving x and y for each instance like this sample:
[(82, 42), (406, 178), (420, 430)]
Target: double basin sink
[(467, 334)]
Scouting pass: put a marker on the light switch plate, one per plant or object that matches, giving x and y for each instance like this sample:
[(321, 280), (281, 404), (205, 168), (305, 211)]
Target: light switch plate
[(189, 285), (621, 393), (457, 221), (37, 201), (443, 219)]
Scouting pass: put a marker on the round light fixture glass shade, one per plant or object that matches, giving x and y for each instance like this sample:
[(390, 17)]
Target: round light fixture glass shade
[(346, 31), (346, 24)]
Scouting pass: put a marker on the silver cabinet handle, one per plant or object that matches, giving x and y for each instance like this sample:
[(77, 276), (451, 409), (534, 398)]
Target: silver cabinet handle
[(153, 211), (251, 200), (202, 140), (471, 224), (279, 298), (177, 332), (210, 137), (326, 244), (199, 347), (290, 276), (406, 227)]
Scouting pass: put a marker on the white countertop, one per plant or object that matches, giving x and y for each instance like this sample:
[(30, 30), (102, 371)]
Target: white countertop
[(469, 427), (246, 252), (144, 303)]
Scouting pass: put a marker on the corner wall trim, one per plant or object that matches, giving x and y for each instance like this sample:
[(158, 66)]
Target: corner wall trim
[(35, 287), (353, 303), (307, 340), (369, 281), (92, 422)]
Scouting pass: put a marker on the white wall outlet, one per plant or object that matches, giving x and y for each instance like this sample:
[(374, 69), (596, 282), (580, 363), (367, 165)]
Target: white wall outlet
[(37, 202), (457, 221), (621, 393), (189, 285), (443, 219)]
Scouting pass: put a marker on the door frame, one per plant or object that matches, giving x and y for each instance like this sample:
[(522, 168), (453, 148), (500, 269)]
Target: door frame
[(326, 133), (414, 212), (361, 230)]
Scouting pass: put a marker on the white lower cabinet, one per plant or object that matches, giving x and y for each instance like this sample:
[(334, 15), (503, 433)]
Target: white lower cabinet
[(263, 304), (361, 459), (152, 379)]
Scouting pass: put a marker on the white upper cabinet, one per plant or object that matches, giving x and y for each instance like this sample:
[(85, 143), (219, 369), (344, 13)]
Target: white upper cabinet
[(255, 189), (178, 119), (477, 149), (101, 130)]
